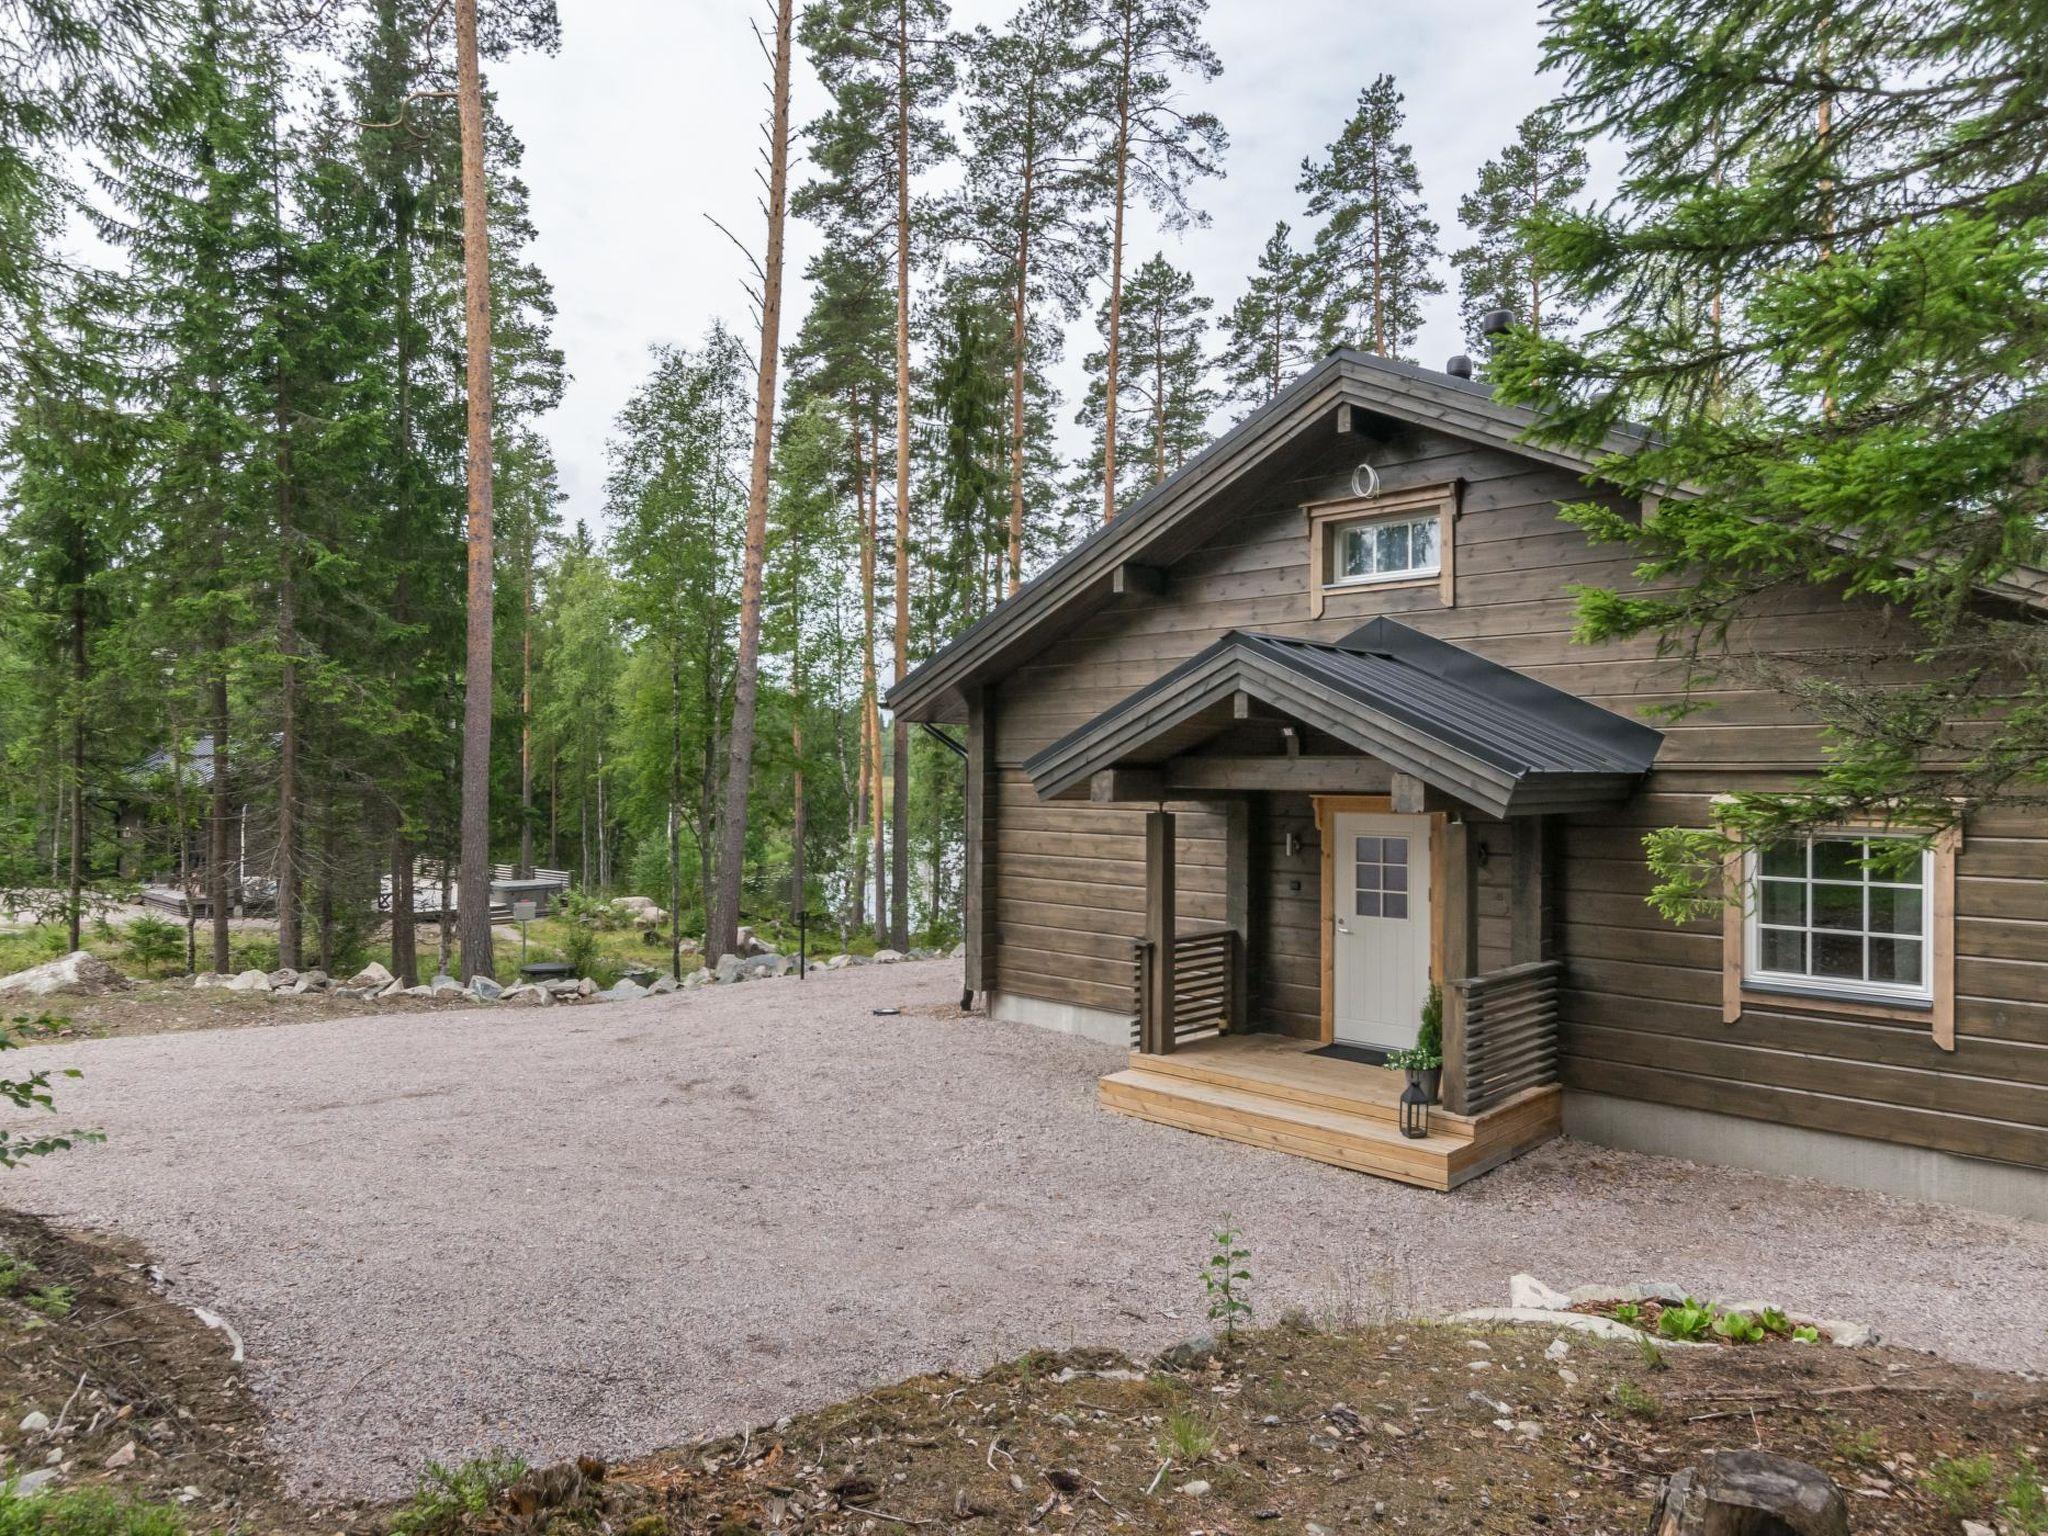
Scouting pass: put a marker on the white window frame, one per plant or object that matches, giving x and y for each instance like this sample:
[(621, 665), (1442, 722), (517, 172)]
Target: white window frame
[(1411, 504), (1343, 531), (1921, 995)]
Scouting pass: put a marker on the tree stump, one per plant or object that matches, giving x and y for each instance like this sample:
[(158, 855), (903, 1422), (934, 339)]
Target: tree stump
[(1750, 1493)]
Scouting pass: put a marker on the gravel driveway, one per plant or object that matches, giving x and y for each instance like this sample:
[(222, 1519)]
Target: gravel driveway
[(613, 1228)]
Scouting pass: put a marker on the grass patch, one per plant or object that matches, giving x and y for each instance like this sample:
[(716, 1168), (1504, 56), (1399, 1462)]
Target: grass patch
[(1635, 1402), (1188, 1437), (1962, 1483), (85, 1512), (447, 1496)]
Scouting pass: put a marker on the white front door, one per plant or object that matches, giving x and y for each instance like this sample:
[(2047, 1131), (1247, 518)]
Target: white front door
[(1380, 927)]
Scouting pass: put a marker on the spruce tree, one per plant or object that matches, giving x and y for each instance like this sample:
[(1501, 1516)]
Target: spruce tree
[(1544, 168), (1375, 254), (1852, 198)]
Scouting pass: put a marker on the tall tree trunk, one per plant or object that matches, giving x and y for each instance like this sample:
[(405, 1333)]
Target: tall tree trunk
[(473, 899), (870, 533), (526, 710), (899, 808), (675, 809), (405, 948), (221, 812), (722, 929), (1020, 340), (1116, 273), (74, 896)]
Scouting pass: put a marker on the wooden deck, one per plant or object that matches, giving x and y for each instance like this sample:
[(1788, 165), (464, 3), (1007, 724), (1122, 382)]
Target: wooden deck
[(1269, 1091)]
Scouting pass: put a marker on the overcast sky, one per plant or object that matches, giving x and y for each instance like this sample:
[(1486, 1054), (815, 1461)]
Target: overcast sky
[(648, 118)]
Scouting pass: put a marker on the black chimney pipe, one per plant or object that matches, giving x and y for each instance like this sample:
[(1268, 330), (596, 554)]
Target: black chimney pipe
[(1459, 367)]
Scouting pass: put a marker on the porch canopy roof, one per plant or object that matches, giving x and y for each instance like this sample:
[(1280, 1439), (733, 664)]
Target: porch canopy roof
[(1484, 734)]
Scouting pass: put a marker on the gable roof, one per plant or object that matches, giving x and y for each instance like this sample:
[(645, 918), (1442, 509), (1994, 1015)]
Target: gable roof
[(1485, 733), (1087, 573)]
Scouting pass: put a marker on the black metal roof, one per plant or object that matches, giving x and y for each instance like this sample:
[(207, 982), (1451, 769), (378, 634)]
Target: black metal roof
[(1487, 734)]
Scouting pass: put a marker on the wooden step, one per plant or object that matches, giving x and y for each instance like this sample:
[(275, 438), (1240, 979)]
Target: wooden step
[(1365, 1143), (1285, 1071)]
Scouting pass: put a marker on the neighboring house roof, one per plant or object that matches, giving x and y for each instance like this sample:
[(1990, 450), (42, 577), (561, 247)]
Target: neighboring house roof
[(1158, 521), (197, 762), (1492, 736)]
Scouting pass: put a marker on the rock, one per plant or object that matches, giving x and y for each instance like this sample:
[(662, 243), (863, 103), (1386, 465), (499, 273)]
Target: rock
[(1558, 1350), (443, 979), (1735, 1491), (447, 986), (250, 981), (371, 975), (623, 992), (662, 985), (29, 1484), (839, 962), (639, 909), (585, 987), (748, 944), (392, 988), (1194, 1489), (284, 976), (304, 985), (124, 1457), (770, 964), (1191, 1351), (698, 978), (34, 1422), (958, 952), (858, 960), (316, 978), (888, 957), (1977, 1528), (1528, 1291), (730, 968), (425, 992), (485, 989), (1578, 1322), (79, 971), (208, 979), (531, 995)]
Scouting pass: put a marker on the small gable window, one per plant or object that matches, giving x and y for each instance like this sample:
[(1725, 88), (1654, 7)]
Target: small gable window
[(1383, 549), (1393, 540)]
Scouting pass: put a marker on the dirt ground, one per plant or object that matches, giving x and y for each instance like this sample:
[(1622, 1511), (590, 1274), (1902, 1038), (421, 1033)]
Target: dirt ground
[(624, 1226), (1400, 1426)]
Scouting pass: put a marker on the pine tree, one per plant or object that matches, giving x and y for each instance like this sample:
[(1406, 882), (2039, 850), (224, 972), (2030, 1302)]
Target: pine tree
[(1033, 187), (722, 932), (1269, 334), (1152, 147), (1375, 254), (890, 70), (1164, 342), (1544, 168), (1854, 397)]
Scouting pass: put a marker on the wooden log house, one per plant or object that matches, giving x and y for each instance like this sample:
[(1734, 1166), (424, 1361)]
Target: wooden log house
[(1304, 730)]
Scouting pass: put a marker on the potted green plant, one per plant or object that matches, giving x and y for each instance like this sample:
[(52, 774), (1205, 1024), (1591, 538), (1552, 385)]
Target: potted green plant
[(1424, 1060)]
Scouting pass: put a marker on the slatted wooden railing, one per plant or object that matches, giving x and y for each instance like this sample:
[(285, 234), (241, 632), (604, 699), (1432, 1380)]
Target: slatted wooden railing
[(1505, 1025), (1205, 961)]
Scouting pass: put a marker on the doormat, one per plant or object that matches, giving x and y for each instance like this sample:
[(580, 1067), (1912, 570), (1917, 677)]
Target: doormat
[(1365, 1055)]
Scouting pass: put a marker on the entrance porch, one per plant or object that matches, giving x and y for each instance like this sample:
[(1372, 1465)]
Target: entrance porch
[(1434, 779)]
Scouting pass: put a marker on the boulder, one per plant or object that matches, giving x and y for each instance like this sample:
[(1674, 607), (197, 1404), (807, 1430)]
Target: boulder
[(283, 976), (747, 943), (250, 981), (888, 956), (447, 986), (770, 964), (529, 994), (372, 975), (838, 962), (206, 980), (959, 952), (730, 968), (585, 987), (392, 988), (1731, 1492), (423, 991), (443, 979), (623, 992), (485, 989), (698, 978), (662, 985), (29, 1484), (78, 971)]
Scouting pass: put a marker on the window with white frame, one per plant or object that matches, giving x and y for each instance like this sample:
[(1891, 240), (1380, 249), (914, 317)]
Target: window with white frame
[(1841, 915), (1388, 549)]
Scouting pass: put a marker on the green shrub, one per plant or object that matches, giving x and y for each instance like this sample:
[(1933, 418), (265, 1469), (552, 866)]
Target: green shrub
[(444, 1496), (85, 1512), (1690, 1321)]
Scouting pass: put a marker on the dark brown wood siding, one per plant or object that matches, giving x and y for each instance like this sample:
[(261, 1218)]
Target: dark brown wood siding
[(1642, 1015)]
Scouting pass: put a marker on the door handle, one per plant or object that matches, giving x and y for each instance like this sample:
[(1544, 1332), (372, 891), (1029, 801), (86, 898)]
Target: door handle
[(1342, 926)]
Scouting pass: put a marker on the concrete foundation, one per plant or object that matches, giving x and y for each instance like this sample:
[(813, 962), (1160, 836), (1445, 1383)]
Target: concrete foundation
[(1913, 1173), (1067, 1018)]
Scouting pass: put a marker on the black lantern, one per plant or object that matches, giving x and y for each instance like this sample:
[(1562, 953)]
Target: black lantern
[(1414, 1108)]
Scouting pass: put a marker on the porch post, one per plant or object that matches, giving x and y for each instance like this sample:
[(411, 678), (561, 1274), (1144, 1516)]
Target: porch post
[(1155, 1031), (1237, 906), (976, 879), (1529, 901), (1461, 951)]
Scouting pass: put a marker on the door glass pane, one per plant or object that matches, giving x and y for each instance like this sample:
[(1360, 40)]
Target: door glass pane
[(1394, 850), (1396, 877), (1368, 851), (1368, 903), (1368, 877), (1396, 905)]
